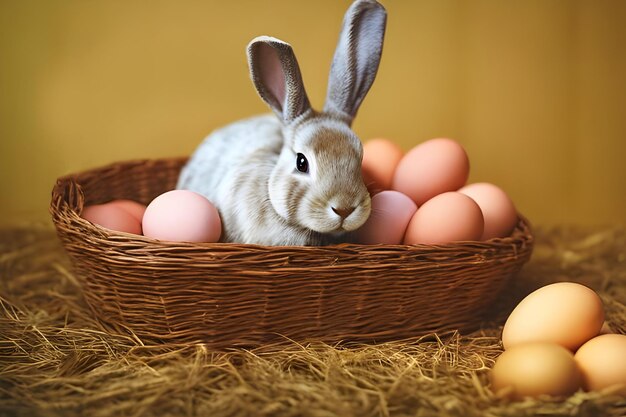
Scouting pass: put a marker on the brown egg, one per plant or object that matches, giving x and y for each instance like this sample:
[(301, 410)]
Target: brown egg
[(602, 361), (448, 217), (380, 158), (133, 207), (565, 313), (498, 209), (535, 369), (431, 168), (112, 217)]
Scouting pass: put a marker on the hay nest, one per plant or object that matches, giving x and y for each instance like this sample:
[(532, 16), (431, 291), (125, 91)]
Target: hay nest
[(56, 360)]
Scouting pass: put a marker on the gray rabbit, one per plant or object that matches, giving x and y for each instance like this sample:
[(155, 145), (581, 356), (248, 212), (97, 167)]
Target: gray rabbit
[(294, 177)]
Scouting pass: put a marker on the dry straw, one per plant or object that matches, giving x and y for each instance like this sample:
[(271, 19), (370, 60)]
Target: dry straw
[(57, 360), (227, 295)]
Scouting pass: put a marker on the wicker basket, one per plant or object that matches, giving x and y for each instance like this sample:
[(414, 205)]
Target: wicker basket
[(228, 295)]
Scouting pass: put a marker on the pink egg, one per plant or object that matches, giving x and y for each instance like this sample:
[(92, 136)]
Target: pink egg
[(132, 207), (391, 213), (432, 167), (112, 217), (182, 216), (445, 218), (498, 209)]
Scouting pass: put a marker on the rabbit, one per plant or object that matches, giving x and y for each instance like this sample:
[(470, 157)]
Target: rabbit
[(293, 178)]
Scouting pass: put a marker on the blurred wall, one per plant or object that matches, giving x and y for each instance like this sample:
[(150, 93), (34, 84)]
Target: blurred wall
[(535, 90)]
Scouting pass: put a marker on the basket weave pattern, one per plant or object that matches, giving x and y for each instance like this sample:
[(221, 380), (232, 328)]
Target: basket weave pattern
[(228, 295)]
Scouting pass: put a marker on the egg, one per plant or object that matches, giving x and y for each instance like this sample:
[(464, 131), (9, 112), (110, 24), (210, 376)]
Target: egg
[(182, 216), (602, 361), (445, 218), (498, 209), (112, 217), (391, 213), (132, 207), (535, 369), (431, 168), (565, 313), (380, 159)]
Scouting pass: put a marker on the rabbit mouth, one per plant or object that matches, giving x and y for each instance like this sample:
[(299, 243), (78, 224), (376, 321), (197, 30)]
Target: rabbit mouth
[(334, 217), (340, 229), (334, 226), (349, 223), (347, 228)]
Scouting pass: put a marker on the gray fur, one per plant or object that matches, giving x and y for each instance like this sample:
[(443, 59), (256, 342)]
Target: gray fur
[(356, 58), (248, 168)]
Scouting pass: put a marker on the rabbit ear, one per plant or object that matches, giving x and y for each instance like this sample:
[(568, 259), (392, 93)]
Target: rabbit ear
[(356, 58), (276, 75)]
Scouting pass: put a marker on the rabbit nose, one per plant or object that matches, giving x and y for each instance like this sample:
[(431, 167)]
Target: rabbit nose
[(343, 212)]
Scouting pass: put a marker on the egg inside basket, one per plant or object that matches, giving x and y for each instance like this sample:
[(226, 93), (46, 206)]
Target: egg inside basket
[(229, 295)]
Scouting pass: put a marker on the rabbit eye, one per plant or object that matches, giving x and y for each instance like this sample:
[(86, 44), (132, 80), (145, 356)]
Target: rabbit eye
[(301, 163)]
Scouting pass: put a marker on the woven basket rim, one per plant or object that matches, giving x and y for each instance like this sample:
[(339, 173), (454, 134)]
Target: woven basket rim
[(72, 209), (232, 294)]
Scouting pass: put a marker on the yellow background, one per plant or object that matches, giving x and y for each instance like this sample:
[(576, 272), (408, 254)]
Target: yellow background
[(535, 90)]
